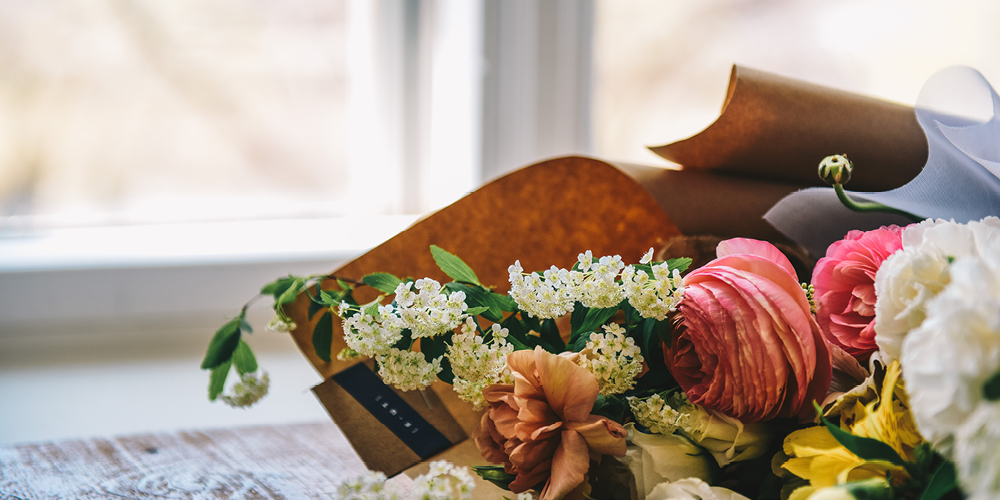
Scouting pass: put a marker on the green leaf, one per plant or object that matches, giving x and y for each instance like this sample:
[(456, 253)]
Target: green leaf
[(517, 333), (477, 296), (323, 336), (217, 380), (865, 448), (495, 474), (609, 406), (433, 347), (505, 303), (551, 340), (244, 359), (291, 292), (942, 481), (222, 345), (681, 264), (453, 266), (654, 335), (383, 282), (991, 389), (316, 304), (595, 318), (277, 287), (476, 311)]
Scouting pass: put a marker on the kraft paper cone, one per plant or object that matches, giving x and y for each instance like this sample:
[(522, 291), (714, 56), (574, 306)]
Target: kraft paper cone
[(779, 128), (542, 215)]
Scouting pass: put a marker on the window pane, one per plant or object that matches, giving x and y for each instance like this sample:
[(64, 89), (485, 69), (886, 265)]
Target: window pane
[(182, 110)]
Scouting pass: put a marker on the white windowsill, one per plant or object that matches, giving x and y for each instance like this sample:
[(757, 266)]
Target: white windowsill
[(166, 277)]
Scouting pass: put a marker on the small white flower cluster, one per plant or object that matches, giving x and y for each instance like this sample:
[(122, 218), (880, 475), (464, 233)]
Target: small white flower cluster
[(444, 482), (371, 334), (548, 295), (596, 285), (429, 312), (613, 358), (280, 325), (477, 364), (655, 414), (653, 297), (598, 288), (368, 486), (408, 370), (248, 390)]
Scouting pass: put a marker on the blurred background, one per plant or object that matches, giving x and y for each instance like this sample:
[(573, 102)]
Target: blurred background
[(159, 161)]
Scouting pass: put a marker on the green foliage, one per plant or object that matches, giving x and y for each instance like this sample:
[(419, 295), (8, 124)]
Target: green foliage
[(495, 474), (383, 282), (477, 296), (217, 380), (223, 343), (453, 266), (593, 319), (550, 338), (611, 407), (941, 483), (476, 311), (244, 359), (991, 389), (433, 347), (323, 336), (278, 287)]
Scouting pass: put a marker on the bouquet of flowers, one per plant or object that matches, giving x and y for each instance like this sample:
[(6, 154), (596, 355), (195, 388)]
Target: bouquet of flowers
[(877, 378)]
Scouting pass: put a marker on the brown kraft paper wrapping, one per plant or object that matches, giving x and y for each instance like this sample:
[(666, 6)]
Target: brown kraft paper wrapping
[(779, 128)]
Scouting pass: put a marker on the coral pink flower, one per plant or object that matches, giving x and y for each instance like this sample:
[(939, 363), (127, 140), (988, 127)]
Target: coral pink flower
[(745, 343), (540, 427), (845, 287)]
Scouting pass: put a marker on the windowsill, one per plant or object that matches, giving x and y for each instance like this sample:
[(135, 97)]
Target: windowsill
[(165, 245), (166, 277)]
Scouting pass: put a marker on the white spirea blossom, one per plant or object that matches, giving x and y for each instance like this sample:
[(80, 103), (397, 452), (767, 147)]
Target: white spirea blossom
[(279, 325), (550, 295), (613, 358), (914, 275), (444, 481), (600, 288), (657, 415), (653, 297), (477, 364), (371, 334), (647, 257), (408, 370), (250, 389), (368, 486), (428, 311), (955, 350)]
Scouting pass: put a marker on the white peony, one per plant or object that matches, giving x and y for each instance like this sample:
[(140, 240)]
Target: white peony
[(976, 457), (955, 350), (692, 489), (911, 277)]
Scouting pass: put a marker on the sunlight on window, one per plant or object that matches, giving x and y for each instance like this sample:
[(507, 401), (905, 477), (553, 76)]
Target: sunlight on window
[(662, 67), (186, 110)]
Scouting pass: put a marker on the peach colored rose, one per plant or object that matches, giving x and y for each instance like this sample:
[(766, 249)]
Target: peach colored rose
[(745, 343), (540, 427), (845, 287)]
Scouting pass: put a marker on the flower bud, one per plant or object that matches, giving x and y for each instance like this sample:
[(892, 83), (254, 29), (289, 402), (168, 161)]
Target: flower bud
[(836, 169)]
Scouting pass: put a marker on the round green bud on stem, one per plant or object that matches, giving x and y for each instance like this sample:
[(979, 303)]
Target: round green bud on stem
[(836, 169)]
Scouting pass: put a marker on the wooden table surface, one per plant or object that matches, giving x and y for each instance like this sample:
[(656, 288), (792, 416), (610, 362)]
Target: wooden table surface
[(271, 462)]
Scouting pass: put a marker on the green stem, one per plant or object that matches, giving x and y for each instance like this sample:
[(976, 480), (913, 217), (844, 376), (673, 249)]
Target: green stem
[(870, 206)]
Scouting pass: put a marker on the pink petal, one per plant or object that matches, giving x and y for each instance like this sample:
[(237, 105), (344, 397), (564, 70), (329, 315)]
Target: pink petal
[(747, 246), (570, 464), (569, 388)]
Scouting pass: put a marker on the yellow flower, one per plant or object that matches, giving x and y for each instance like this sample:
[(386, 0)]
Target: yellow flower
[(817, 457)]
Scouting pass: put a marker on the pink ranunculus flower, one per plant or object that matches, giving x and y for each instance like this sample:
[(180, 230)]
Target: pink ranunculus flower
[(540, 427), (745, 343), (845, 287)]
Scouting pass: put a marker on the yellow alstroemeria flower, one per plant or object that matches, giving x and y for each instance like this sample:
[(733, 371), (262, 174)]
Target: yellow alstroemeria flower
[(817, 457)]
